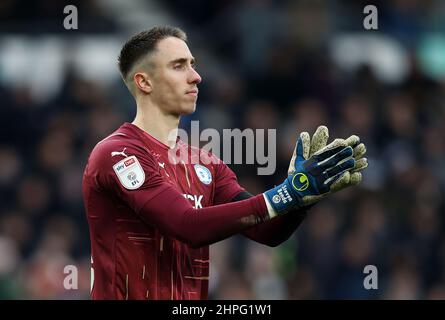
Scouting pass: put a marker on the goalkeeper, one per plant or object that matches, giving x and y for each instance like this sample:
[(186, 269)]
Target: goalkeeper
[(152, 220)]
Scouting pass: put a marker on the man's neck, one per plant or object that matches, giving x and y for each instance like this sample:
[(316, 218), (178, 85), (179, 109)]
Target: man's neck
[(163, 127)]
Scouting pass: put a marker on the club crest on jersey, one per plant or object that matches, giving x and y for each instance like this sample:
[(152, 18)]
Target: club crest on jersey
[(130, 173), (203, 174)]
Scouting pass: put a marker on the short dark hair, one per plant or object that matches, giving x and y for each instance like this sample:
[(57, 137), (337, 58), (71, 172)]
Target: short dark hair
[(144, 43)]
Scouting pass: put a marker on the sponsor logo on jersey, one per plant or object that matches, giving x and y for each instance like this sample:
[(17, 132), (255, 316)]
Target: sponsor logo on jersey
[(204, 174), (119, 153), (129, 162), (196, 199), (130, 173)]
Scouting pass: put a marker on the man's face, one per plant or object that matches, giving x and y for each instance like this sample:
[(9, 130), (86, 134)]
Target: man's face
[(174, 79)]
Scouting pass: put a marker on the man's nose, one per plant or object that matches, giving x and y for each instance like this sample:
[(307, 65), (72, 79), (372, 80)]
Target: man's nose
[(194, 76)]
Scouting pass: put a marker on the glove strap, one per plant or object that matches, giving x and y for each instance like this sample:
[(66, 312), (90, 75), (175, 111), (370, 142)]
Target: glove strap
[(282, 198)]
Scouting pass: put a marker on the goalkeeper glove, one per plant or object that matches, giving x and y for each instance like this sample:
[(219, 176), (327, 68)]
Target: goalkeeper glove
[(311, 178), (351, 177)]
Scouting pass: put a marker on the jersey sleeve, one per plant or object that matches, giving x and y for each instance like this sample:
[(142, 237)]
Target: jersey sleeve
[(133, 177), (226, 184), (136, 180)]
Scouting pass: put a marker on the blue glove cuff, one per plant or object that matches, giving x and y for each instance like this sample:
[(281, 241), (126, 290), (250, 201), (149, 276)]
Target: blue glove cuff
[(282, 197)]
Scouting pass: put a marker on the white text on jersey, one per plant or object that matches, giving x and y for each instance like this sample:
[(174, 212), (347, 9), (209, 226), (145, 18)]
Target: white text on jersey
[(196, 199)]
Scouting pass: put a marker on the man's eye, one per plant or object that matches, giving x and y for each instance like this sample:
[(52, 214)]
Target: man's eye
[(178, 66)]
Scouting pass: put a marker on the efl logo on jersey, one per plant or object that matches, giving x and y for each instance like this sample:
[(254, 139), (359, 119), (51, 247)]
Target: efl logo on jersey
[(203, 174), (129, 162), (130, 173)]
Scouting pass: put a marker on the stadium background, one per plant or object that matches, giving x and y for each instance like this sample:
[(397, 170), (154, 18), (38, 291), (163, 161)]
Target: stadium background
[(289, 65)]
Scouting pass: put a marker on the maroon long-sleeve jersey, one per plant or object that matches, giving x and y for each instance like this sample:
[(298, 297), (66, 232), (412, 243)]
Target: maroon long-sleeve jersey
[(152, 217)]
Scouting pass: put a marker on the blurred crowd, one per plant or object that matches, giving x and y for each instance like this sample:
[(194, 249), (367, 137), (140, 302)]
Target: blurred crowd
[(274, 73)]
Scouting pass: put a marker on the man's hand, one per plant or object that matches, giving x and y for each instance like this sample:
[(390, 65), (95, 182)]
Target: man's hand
[(318, 143), (312, 177), (349, 178)]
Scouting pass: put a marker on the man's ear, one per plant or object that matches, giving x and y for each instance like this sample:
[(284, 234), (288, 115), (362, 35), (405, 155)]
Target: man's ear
[(142, 82)]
